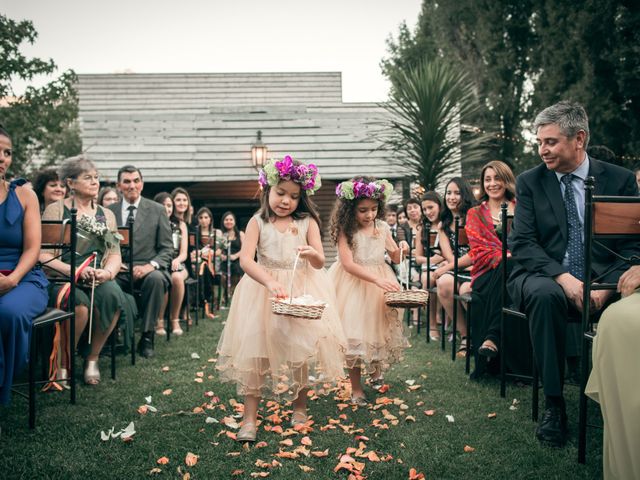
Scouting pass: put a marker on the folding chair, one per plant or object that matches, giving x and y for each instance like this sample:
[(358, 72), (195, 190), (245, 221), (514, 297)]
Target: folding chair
[(605, 218), (428, 243), (511, 311), (126, 246), (460, 240), (58, 235)]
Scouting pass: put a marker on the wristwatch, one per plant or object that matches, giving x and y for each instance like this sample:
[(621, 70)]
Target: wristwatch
[(155, 265)]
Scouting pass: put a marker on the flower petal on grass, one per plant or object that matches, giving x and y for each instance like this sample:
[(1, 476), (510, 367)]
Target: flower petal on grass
[(195, 356), (237, 473), (306, 441), (492, 415), (319, 454), (469, 449), (414, 475), (168, 391), (165, 368), (306, 469), (191, 459), (162, 461), (429, 413), (450, 419), (155, 471)]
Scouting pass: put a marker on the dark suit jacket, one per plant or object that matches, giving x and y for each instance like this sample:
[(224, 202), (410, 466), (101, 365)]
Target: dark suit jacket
[(539, 237), (151, 233)]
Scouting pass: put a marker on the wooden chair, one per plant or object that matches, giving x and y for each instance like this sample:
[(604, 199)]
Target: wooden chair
[(59, 235), (126, 249), (460, 240), (509, 310), (606, 218), (429, 243)]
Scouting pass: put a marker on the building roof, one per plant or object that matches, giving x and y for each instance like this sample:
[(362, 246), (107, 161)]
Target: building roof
[(200, 127)]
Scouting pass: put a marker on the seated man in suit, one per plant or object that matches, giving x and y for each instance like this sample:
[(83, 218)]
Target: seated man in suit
[(152, 249), (547, 246)]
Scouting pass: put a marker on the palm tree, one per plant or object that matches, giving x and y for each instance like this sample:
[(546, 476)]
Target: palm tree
[(427, 104)]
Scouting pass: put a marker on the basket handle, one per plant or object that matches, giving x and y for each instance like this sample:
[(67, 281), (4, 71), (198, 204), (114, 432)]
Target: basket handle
[(295, 265), (408, 271)]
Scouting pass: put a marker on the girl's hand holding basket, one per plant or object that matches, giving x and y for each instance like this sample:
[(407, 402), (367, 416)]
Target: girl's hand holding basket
[(277, 290), (387, 285)]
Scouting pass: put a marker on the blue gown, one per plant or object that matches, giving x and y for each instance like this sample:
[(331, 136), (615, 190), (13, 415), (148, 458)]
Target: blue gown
[(21, 305)]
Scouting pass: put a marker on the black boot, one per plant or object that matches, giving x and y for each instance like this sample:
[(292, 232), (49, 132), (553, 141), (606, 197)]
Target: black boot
[(145, 345)]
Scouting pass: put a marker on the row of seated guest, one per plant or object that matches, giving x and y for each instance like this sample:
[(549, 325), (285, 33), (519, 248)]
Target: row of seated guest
[(23, 286), (110, 303)]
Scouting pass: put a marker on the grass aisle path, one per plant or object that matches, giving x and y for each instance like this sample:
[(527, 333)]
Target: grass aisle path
[(67, 444)]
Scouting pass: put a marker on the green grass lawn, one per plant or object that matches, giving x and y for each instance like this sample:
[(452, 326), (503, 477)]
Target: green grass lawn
[(67, 444)]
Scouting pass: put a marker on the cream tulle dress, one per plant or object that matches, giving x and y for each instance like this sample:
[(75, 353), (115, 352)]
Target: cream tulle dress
[(273, 355), (374, 331)]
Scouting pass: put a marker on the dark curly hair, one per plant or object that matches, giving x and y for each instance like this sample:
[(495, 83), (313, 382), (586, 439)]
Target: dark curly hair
[(343, 216)]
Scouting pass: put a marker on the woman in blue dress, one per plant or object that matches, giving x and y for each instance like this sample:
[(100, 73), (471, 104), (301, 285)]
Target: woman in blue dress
[(23, 288)]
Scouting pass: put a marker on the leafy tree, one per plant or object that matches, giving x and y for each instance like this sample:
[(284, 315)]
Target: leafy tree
[(525, 55), (592, 55), (426, 105), (43, 121), (490, 40)]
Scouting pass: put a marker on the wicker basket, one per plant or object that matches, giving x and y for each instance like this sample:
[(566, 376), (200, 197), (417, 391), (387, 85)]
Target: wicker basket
[(285, 307), (406, 298)]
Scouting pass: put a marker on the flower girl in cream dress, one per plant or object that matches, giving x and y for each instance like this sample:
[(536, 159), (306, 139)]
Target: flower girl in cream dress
[(276, 355), (374, 331)]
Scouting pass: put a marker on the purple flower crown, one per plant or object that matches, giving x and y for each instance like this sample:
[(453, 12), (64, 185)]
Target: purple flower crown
[(306, 176), (359, 188)]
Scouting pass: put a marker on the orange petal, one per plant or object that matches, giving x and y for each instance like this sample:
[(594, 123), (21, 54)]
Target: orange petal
[(414, 475), (261, 444), (231, 435), (429, 413), (492, 415), (191, 459), (168, 391), (306, 441), (162, 461), (383, 389), (142, 409), (324, 453), (236, 473), (287, 443), (468, 449)]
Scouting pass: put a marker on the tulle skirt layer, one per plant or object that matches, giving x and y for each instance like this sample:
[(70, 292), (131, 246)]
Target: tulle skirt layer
[(375, 335), (274, 355)]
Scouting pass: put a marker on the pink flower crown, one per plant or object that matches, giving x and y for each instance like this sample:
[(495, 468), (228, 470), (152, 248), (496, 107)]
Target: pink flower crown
[(359, 188), (306, 176)]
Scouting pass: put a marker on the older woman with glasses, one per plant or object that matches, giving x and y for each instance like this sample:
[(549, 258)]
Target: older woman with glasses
[(96, 234)]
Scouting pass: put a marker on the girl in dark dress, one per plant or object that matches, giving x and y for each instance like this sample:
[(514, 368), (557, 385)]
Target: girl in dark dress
[(458, 200), (231, 255)]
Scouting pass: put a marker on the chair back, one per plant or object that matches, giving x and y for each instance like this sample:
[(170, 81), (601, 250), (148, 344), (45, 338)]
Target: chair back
[(126, 250), (62, 236), (505, 227), (606, 218)]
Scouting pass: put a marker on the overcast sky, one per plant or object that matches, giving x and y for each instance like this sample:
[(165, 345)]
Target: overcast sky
[(146, 36)]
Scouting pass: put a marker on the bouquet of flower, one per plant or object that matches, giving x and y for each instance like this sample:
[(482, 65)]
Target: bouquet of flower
[(96, 229)]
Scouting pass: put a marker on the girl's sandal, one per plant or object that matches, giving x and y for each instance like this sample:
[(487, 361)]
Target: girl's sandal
[(299, 418), (377, 382), (359, 401), (247, 432)]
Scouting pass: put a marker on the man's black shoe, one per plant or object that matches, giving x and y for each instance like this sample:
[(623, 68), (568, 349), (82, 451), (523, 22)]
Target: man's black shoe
[(145, 345), (552, 429)]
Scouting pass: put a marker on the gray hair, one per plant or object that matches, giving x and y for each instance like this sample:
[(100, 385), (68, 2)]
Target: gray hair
[(74, 167), (569, 117)]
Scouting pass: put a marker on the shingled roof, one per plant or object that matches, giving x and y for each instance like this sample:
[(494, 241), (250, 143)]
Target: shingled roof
[(199, 127)]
